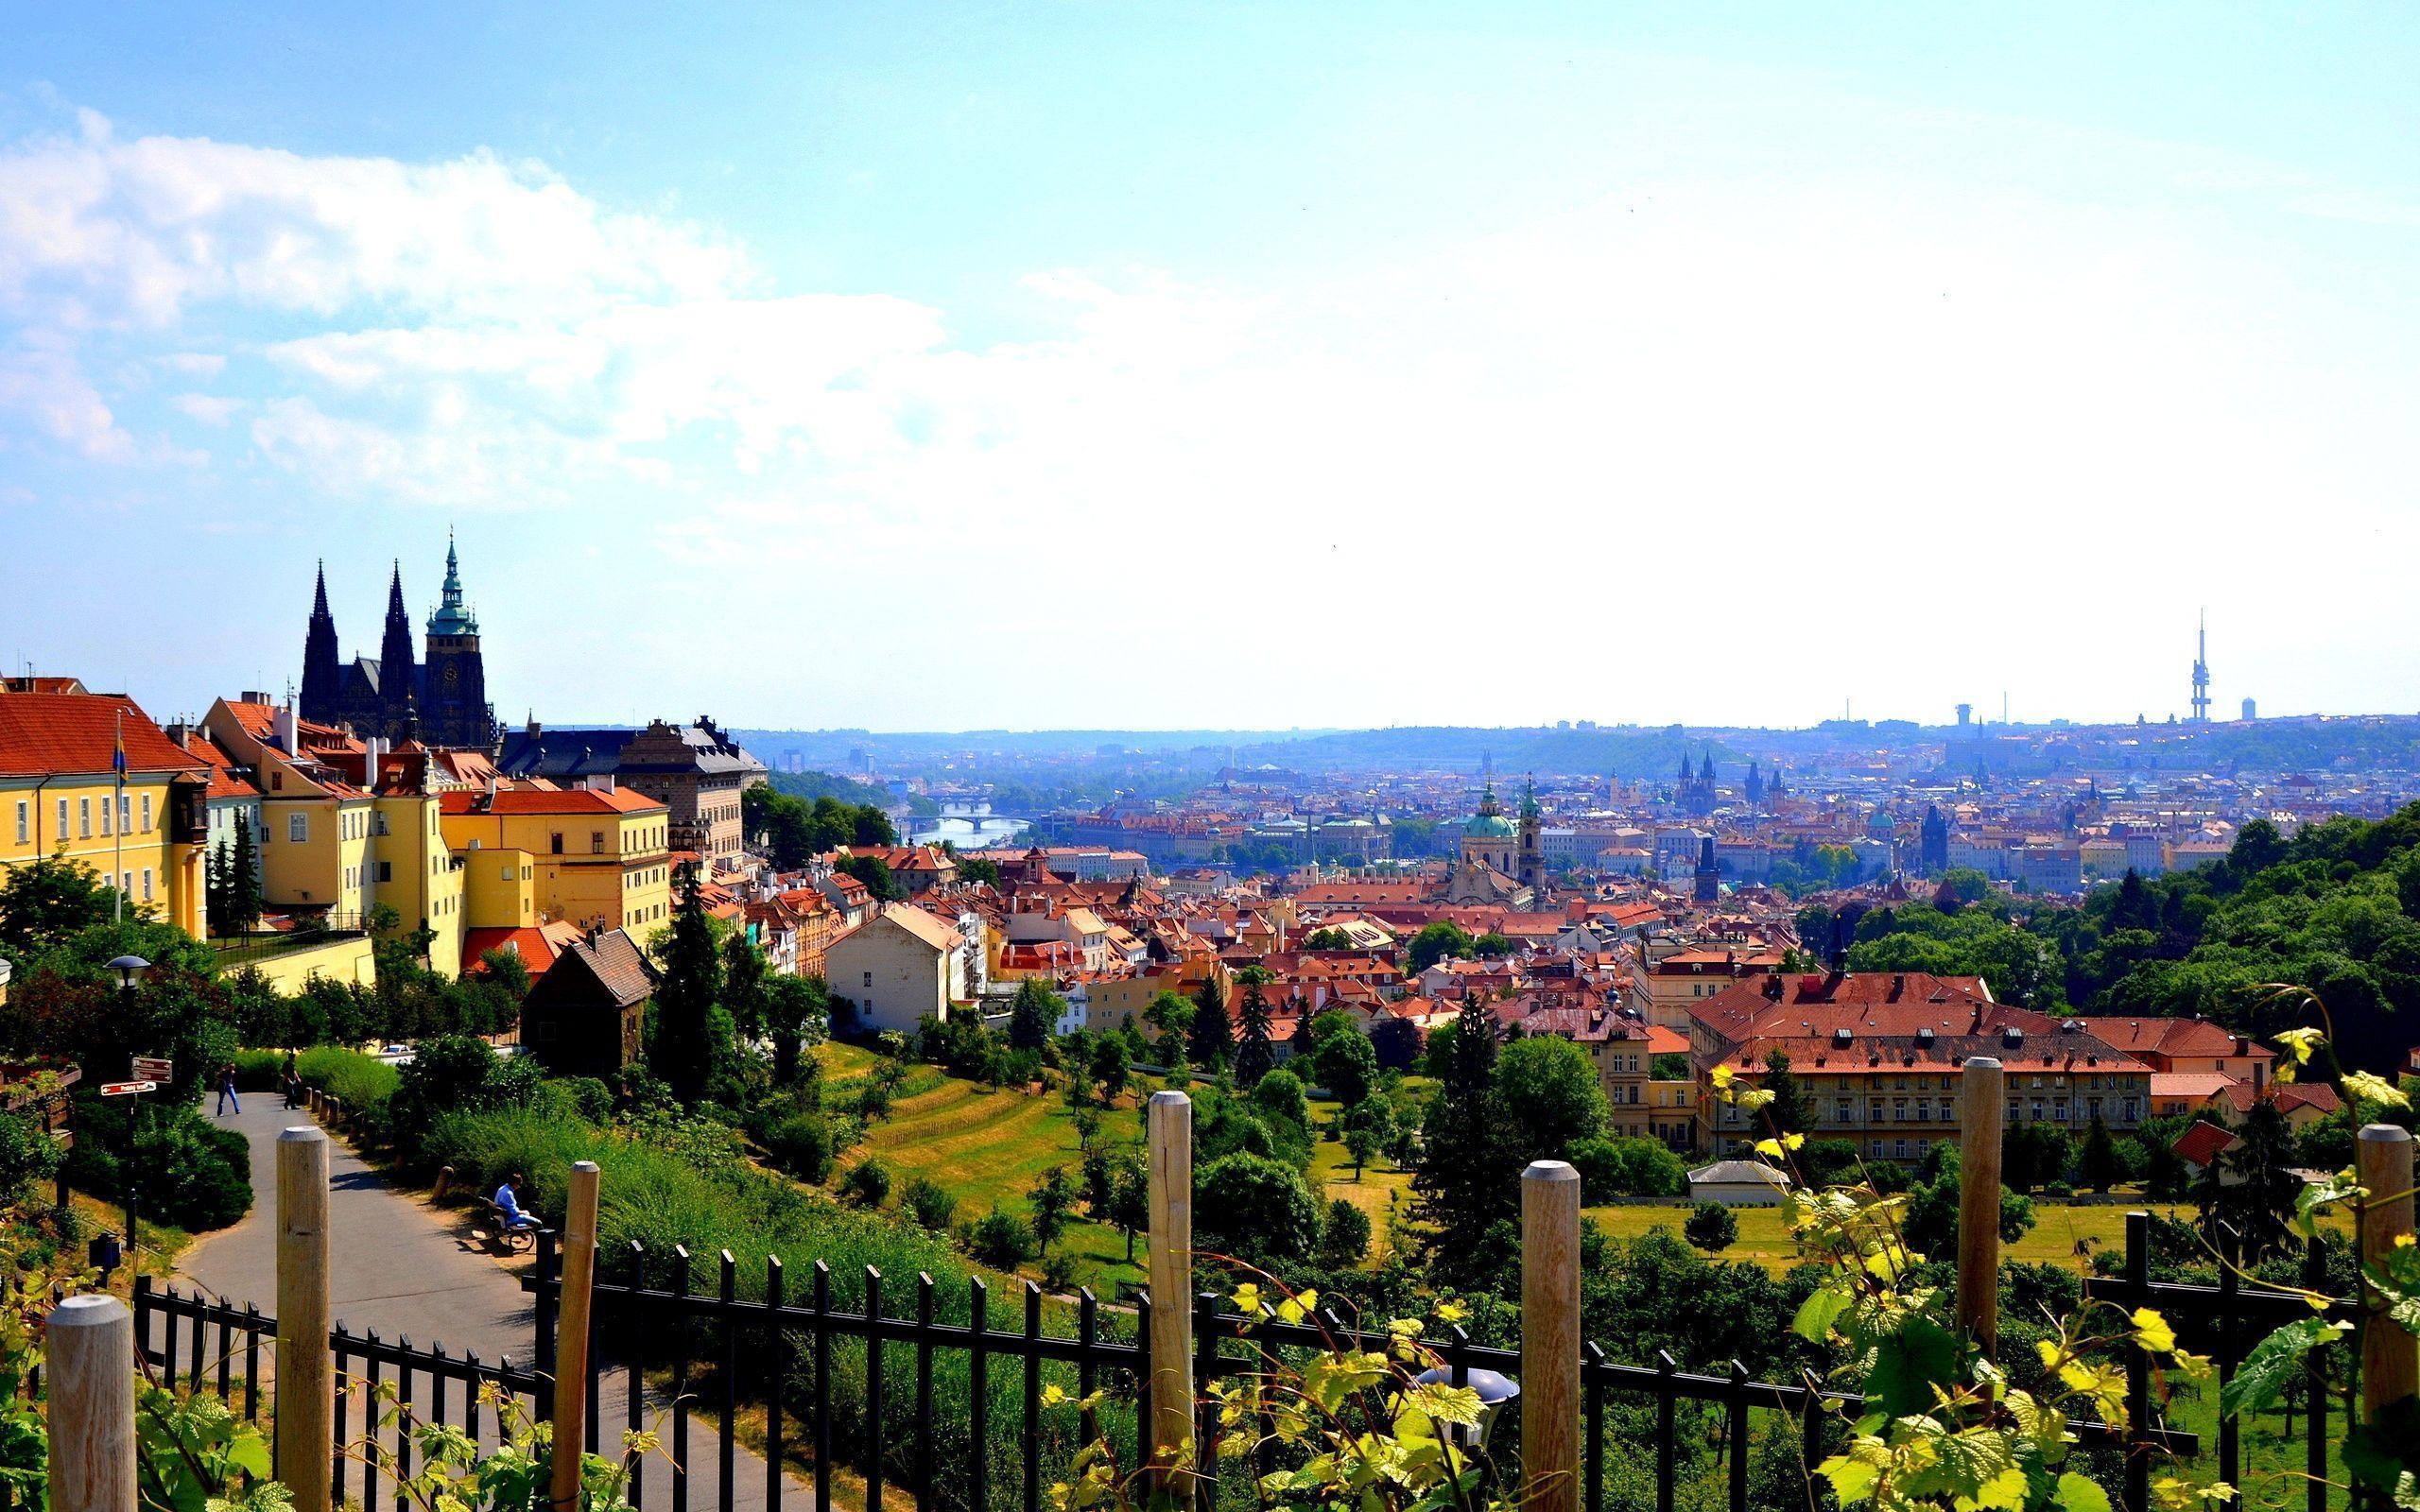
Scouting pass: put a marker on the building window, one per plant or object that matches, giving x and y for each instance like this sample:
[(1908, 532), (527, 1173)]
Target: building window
[(869, 981), (83, 818), (146, 814), (386, 871), (298, 828), (555, 842), (382, 824), (25, 822), (104, 816), (62, 818), (147, 884), (595, 848), (125, 811), (2128, 1106)]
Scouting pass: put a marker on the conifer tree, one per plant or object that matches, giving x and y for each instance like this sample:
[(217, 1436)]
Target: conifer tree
[(243, 881), (682, 1051), (1256, 1055), (743, 985), (1462, 1187), (1214, 1038)]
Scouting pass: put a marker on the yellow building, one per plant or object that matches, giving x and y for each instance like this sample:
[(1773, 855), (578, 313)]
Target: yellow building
[(61, 795), (601, 854), (352, 826)]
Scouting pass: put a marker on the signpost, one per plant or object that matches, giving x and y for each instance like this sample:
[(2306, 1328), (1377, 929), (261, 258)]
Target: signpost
[(154, 1067), (132, 1091)]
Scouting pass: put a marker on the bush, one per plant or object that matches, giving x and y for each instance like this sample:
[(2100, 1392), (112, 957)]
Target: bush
[(1256, 1210), (1001, 1240), (868, 1183), (802, 1145), (1712, 1227), (184, 1169), (27, 1157), (1626, 1167), (924, 1198), (1344, 1241)]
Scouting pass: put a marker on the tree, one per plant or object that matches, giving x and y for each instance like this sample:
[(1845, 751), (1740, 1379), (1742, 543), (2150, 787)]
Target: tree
[(1790, 1111), (1172, 1014), (1437, 941), (1669, 1066), (1001, 1240), (2098, 1167), (1130, 1201), (1343, 1057), (1212, 1039), (1328, 939), (874, 873), (682, 1048), (1712, 1227), (1280, 1096), (41, 905), (2034, 1155), (1053, 1201), (1254, 1055), (1491, 946), (1461, 1180), (1369, 1127), (1109, 1067), (1031, 1017), (743, 984), (1544, 1097), (1397, 1041), (2260, 1200), (1254, 1208), (2164, 1175), (796, 1015), (1344, 1238), (978, 869)]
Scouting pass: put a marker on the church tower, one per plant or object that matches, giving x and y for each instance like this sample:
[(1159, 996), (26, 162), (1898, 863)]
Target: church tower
[(322, 664), (398, 682), (1531, 859), (453, 705)]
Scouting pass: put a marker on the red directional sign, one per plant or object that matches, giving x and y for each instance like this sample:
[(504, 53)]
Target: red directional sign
[(128, 1089)]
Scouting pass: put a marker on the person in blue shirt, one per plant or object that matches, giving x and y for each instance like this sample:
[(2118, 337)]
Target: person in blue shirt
[(508, 1202)]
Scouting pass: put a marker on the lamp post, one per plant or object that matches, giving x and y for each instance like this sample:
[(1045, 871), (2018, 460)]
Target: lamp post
[(129, 970)]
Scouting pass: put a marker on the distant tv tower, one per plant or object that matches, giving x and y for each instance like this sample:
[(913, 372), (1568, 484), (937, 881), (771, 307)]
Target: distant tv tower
[(2201, 670)]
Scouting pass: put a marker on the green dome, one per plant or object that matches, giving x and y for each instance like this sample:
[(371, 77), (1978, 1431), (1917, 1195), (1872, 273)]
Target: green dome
[(1488, 826)]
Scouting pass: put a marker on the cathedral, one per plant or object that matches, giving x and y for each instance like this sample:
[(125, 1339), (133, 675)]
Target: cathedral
[(1499, 863), (439, 700)]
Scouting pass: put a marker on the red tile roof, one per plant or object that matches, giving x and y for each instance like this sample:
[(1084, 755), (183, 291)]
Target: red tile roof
[(522, 800), (61, 732)]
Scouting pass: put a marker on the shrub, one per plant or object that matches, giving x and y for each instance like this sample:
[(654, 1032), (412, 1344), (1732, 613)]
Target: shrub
[(1712, 1227), (27, 1157), (802, 1145), (924, 1198), (1254, 1208), (868, 1183), (1001, 1240), (1344, 1241), (185, 1169)]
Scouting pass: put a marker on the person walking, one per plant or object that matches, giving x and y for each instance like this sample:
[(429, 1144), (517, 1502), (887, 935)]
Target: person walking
[(227, 1093)]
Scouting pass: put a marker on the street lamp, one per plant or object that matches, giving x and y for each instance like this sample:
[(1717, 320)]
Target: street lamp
[(129, 970), (1494, 1392)]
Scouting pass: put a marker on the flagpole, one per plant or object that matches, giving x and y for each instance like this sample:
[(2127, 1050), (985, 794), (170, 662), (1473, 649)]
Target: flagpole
[(118, 823)]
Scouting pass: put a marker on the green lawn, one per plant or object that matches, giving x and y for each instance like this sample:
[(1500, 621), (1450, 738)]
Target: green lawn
[(985, 1148), (1764, 1232)]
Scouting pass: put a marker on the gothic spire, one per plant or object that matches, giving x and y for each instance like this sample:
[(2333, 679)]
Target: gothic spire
[(319, 595)]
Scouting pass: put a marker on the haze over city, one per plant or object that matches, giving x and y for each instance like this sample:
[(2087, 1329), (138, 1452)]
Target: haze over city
[(1221, 365)]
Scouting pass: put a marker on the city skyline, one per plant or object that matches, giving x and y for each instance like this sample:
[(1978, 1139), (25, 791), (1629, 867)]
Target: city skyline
[(782, 367)]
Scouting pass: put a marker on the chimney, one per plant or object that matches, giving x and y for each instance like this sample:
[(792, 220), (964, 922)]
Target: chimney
[(290, 731)]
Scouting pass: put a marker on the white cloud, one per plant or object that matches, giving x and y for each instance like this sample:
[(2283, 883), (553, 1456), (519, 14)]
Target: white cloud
[(42, 382), (210, 410)]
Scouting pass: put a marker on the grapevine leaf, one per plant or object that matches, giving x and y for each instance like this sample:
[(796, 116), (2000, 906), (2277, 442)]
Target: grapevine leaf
[(1816, 1316), (2368, 1087), (2080, 1493), (2262, 1379), (1907, 1363)]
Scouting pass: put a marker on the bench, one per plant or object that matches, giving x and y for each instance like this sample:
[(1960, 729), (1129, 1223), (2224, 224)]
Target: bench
[(502, 1233)]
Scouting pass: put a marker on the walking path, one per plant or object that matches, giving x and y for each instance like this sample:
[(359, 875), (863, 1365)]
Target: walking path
[(411, 1270)]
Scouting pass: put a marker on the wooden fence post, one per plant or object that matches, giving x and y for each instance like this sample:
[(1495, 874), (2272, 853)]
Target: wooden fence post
[(2389, 1357), (1983, 1113), (305, 1383), (91, 1349), (1551, 1338), (571, 1333), (1170, 1257)]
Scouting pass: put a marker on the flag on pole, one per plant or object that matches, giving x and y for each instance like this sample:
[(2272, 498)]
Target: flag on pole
[(117, 762)]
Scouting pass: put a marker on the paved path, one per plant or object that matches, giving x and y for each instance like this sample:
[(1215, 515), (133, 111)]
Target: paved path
[(408, 1269)]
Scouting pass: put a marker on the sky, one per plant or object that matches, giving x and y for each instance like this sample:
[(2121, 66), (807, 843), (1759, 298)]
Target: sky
[(916, 367)]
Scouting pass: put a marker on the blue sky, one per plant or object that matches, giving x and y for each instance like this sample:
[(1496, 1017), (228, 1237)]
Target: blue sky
[(922, 366)]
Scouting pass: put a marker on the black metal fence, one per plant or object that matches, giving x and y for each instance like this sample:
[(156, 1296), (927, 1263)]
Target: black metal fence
[(785, 1380)]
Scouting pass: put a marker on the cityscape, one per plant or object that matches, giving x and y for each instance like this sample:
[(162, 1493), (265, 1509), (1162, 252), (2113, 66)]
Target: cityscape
[(1211, 759)]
